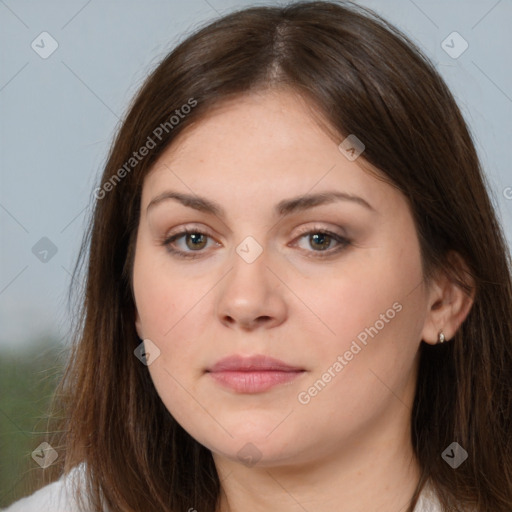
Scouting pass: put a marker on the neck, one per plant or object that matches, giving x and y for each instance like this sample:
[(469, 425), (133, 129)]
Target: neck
[(373, 471)]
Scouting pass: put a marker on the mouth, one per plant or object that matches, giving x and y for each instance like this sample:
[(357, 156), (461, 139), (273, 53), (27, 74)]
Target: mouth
[(254, 374)]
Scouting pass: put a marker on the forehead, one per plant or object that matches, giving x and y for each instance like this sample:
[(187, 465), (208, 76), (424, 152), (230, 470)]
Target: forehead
[(260, 124), (257, 149)]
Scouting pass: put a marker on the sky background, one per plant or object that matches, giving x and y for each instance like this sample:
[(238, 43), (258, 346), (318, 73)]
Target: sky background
[(69, 69)]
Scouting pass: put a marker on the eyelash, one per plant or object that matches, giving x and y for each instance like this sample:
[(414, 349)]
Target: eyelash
[(342, 243)]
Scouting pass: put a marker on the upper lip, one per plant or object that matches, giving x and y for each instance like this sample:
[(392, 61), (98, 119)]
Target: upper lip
[(251, 363)]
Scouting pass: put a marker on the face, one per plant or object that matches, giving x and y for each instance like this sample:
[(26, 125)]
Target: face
[(330, 289)]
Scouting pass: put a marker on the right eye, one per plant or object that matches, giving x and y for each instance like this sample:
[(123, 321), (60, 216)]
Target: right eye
[(194, 240)]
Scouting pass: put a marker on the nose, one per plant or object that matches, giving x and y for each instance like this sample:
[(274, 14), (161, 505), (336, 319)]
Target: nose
[(252, 295)]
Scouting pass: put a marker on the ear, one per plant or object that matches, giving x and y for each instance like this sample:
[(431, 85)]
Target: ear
[(448, 304), (138, 325)]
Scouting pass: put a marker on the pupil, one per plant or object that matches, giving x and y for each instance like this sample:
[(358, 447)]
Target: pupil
[(196, 237), (320, 238)]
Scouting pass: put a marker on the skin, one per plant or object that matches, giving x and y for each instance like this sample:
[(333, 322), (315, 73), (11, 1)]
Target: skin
[(348, 448)]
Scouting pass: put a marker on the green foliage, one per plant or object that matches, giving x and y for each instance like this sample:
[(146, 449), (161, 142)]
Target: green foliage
[(27, 381)]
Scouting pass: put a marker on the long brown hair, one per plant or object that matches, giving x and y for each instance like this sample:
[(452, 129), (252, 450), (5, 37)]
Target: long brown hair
[(363, 77)]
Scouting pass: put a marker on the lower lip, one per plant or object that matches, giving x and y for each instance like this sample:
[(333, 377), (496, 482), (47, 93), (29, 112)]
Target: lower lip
[(254, 381)]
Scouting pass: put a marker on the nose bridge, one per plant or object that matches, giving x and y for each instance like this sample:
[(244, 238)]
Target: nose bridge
[(249, 272), (249, 293), (250, 250)]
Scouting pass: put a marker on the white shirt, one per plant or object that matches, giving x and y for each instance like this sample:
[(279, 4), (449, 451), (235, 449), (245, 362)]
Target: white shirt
[(57, 497)]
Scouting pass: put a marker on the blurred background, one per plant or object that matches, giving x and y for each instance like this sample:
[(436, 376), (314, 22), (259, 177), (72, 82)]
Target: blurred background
[(68, 70)]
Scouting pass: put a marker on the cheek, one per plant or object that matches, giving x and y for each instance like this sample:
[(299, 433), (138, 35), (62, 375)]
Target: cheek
[(164, 308), (169, 306), (155, 302), (368, 366), (372, 313), (162, 296), (345, 305)]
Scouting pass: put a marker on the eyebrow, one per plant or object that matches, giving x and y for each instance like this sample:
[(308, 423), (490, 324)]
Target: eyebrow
[(282, 209)]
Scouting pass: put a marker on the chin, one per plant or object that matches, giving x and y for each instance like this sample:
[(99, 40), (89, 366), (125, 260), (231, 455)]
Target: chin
[(252, 453)]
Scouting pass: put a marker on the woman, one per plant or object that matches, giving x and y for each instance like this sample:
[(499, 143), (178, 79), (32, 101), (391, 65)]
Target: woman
[(298, 296)]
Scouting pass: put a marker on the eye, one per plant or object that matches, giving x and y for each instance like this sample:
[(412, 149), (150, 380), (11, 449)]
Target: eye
[(194, 240), (324, 241)]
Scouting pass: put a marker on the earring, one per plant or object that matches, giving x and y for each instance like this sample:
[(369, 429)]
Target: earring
[(441, 337)]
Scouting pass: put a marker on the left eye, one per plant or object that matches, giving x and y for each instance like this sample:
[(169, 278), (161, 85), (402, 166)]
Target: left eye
[(323, 240), (195, 241)]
